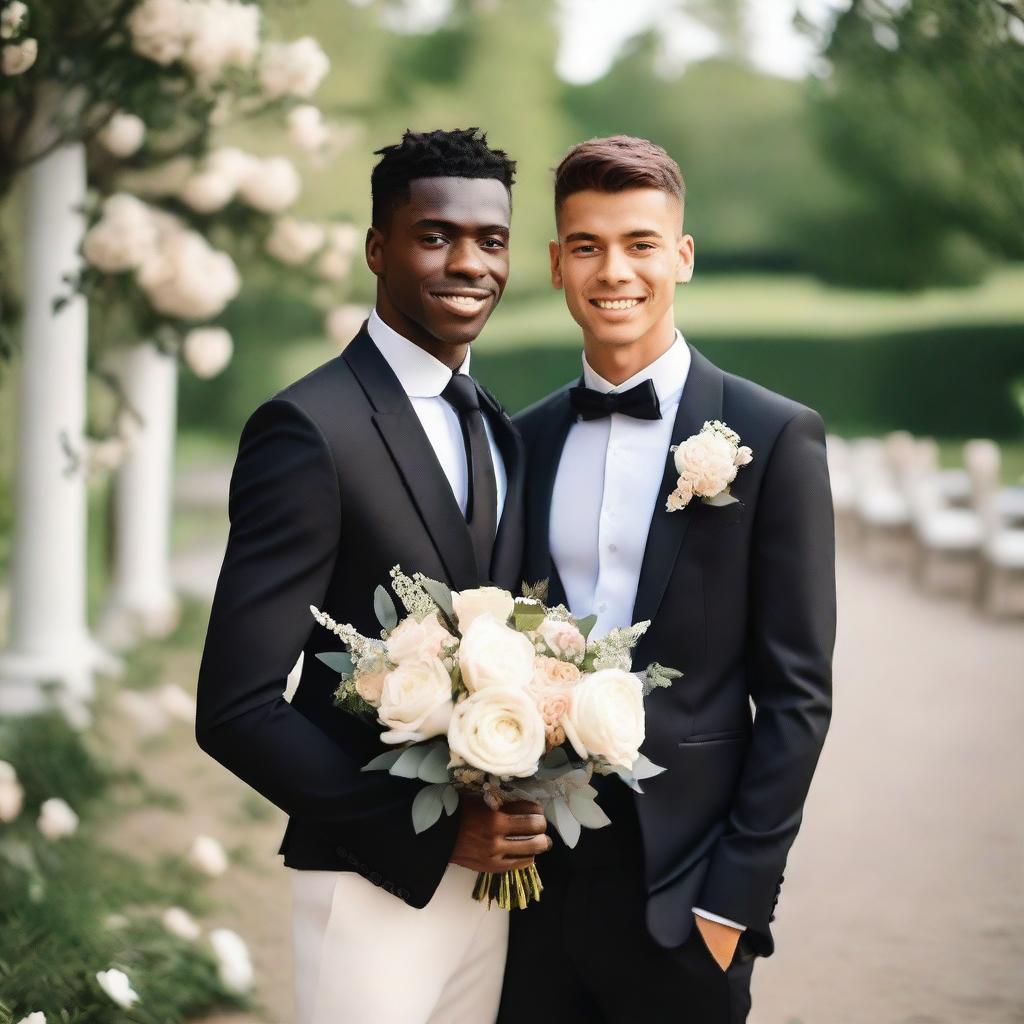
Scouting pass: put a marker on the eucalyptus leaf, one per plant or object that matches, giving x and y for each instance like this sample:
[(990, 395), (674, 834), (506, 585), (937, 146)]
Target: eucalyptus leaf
[(587, 812), (384, 609), (383, 761), (586, 625), (565, 821), (408, 764), (434, 767), (441, 596), (340, 661), (450, 799), (427, 807)]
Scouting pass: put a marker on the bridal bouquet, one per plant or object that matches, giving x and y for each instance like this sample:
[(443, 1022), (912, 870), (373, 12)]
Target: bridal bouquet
[(501, 696)]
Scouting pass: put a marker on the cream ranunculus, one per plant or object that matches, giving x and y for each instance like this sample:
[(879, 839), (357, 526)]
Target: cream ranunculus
[(118, 987), (498, 730), (416, 702), (554, 676), (234, 965), (606, 717), (493, 654), (56, 819), (471, 604), (207, 350), (563, 638), (11, 793), (123, 134), (416, 640)]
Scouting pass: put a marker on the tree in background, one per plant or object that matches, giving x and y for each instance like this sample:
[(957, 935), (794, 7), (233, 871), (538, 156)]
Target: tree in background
[(919, 109)]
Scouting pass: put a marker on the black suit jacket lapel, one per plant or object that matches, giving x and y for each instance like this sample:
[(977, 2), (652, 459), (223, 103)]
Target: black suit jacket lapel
[(402, 432), (701, 401)]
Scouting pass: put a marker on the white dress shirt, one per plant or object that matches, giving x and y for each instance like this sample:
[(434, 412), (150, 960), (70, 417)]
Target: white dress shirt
[(423, 378), (608, 485)]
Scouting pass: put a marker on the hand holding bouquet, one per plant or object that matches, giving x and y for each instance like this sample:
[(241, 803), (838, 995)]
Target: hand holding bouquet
[(499, 696)]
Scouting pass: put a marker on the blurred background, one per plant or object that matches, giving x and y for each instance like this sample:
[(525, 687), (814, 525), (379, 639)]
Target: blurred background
[(181, 223)]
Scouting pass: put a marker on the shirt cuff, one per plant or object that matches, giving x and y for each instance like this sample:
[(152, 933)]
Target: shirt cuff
[(721, 920)]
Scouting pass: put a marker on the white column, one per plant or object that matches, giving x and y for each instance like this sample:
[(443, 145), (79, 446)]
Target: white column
[(48, 640), (142, 602)]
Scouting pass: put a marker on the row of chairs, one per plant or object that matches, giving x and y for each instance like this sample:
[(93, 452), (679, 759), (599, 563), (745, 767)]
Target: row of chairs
[(965, 527)]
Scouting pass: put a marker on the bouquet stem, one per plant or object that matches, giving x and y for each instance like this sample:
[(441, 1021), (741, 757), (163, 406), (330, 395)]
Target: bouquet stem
[(512, 890)]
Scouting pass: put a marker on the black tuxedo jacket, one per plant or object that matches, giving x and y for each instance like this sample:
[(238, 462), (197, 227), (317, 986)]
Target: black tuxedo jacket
[(742, 601), (335, 483)]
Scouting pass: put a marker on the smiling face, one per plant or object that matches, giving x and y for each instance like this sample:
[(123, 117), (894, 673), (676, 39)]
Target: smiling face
[(618, 257), (441, 262)]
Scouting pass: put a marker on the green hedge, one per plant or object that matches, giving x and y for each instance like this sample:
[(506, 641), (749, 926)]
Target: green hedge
[(955, 382)]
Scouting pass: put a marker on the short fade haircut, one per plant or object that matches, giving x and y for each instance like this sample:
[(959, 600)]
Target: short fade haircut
[(460, 153), (616, 164)]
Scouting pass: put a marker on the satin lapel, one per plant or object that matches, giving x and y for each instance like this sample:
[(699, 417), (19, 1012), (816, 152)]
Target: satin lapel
[(701, 401), (540, 485), (414, 457), (507, 560)]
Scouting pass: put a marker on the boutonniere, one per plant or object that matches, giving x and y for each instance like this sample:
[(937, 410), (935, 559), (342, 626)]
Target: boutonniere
[(707, 464)]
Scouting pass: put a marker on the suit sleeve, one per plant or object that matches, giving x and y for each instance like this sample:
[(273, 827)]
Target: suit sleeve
[(792, 617), (285, 512)]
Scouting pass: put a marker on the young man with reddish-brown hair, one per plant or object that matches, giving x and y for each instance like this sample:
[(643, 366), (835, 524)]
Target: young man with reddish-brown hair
[(659, 916)]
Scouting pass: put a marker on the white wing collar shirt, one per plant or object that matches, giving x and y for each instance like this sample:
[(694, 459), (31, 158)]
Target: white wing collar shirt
[(423, 378), (606, 490)]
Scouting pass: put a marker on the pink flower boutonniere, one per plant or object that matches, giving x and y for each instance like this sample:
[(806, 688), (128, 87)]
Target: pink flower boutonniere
[(707, 464)]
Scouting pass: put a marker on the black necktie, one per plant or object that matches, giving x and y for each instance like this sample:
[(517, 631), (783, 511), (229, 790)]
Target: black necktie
[(640, 402), (482, 496)]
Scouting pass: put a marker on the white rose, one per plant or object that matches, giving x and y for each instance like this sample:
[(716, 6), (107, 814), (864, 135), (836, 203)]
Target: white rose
[(416, 701), (208, 856), (343, 322), (306, 128), (123, 134), (233, 163), (17, 58), (493, 654), (233, 963), (293, 69), (207, 350), (294, 241), (207, 191), (124, 237), (188, 279), (344, 237), (498, 730), (272, 186), (12, 19), (34, 1018), (412, 640), (177, 702), (181, 923), (606, 717), (707, 461), (334, 265), (118, 987), (56, 819), (470, 604), (11, 793), (222, 34), (562, 638), (158, 29)]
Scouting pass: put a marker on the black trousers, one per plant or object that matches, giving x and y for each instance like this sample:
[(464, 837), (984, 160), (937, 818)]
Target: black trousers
[(582, 955)]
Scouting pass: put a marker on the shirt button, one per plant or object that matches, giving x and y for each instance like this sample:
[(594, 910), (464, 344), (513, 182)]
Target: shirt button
[(602, 607), (613, 548)]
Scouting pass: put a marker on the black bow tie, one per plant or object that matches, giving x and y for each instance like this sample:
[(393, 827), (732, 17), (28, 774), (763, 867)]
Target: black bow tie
[(641, 402)]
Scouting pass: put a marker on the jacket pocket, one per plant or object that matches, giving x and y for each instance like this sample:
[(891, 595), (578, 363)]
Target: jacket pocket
[(716, 737)]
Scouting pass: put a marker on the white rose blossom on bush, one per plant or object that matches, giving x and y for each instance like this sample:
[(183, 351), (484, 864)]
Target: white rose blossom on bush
[(293, 69), (56, 819), (234, 966), (207, 351), (295, 242), (123, 134), (13, 17), (124, 237), (306, 128), (500, 731), (606, 717), (707, 463), (118, 987), (416, 701), (38, 1017), (221, 34), (343, 322), (158, 29), (17, 58), (208, 856), (493, 654), (271, 186), (12, 794), (177, 702), (180, 923), (187, 279)]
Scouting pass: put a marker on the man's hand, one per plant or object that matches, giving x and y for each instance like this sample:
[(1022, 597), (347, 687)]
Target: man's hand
[(720, 939), (498, 841)]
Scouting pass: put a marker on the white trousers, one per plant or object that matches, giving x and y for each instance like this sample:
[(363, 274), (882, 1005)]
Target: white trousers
[(363, 956)]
